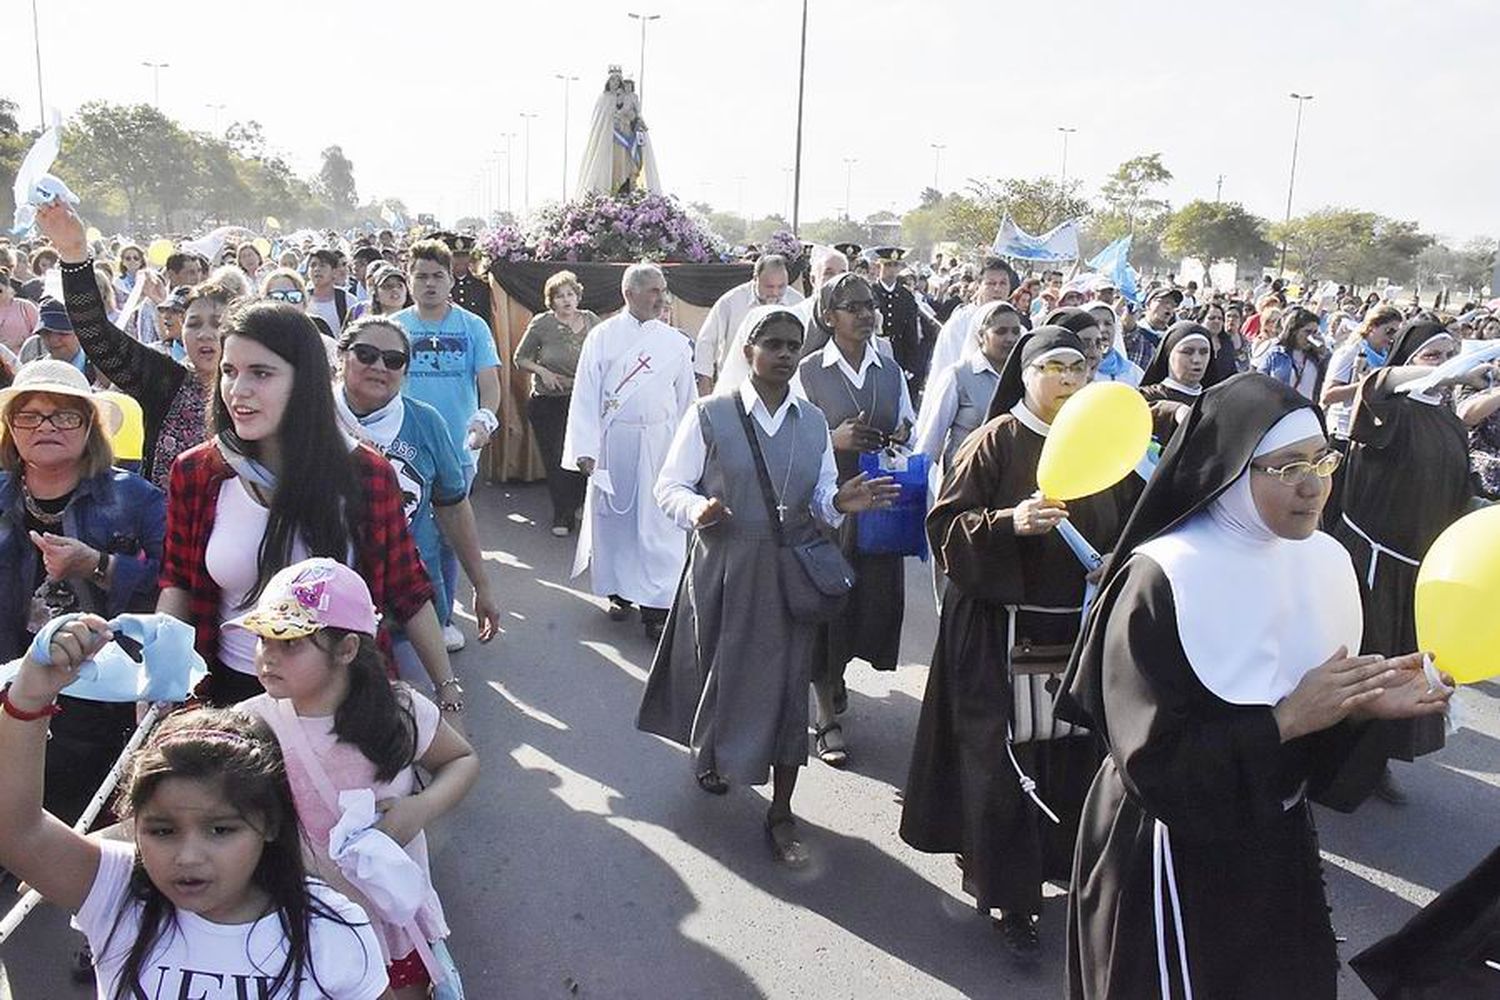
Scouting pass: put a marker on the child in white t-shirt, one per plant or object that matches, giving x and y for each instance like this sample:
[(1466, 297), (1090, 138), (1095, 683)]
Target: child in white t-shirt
[(213, 900)]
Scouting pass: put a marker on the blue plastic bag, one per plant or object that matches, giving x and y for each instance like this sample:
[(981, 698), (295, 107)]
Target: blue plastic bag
[(900, 529)]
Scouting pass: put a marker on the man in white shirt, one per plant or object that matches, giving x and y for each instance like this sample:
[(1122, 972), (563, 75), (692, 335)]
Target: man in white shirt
[(327, 301), (633, 384), (826, 264), (769, 285)]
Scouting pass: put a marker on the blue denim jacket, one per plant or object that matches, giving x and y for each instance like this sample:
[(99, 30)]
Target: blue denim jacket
[(1278, 363), (116, 511)]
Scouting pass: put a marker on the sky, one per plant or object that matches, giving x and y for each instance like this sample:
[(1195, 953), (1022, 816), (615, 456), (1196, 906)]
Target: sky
[(421, 96)]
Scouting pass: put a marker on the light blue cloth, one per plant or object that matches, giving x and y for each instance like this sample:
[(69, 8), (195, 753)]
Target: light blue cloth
[(168, 671), (446, 359), (1114, 262)]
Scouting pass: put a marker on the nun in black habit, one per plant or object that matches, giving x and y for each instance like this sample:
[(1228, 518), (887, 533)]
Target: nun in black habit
[(1180, 370), (1405, 480), (1197, 869), (1014, 586)]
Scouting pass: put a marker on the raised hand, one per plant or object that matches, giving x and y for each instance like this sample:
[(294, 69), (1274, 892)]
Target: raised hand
[(864, 493), (61, 225)]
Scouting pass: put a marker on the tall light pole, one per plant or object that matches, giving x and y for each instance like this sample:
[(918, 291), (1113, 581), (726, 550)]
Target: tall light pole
[(849, 163), (566, 82), (216, 109), (1066, 131), (526, 117), (797, 163), (640, 76), (36, 41), (1219, 189), (937, 161), (509, 209), (156, 68), (786, 204), (1291, 180)]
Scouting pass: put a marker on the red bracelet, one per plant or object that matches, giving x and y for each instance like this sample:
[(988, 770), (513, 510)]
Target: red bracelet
[(45, 712)]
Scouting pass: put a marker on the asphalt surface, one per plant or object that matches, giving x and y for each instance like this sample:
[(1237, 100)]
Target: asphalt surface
[(586, 862)]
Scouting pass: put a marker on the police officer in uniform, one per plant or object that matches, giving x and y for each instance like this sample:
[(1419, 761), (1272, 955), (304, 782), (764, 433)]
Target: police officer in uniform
[(470, 291), (902, 321)]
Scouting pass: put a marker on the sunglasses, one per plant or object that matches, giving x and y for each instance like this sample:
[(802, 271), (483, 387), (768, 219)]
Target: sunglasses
[(292, 295), (63, 420), (368, 354)]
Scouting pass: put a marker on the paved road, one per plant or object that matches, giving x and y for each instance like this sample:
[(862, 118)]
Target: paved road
[(586, 863)]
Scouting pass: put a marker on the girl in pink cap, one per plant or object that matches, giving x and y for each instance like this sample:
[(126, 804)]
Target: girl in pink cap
[(343, 726)]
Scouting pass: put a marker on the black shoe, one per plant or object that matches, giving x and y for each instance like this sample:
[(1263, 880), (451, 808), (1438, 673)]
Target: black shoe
[(1387, 791), (1018, 931), (619, 609), (713, 783), (82, 970)]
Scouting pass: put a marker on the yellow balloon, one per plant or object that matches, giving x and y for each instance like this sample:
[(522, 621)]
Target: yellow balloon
[(158, 252), (1458, 590), (1099, 435), (272, 222), (263, 245), (93, 235), (130, 440)]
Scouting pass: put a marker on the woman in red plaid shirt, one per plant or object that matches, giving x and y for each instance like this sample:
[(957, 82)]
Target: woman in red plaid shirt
[(279, 482)]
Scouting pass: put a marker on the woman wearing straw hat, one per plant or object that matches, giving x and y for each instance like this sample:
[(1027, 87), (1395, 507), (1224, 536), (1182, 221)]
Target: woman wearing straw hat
[(75, 535)]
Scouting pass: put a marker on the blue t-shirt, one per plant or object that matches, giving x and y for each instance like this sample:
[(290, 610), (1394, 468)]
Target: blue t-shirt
[(431, 474), (446, 359)]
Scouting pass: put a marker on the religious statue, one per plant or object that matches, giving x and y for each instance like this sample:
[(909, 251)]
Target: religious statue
[(618, 158)]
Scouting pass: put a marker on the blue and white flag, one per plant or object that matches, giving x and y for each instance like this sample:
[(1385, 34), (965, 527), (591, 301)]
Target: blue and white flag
[(1056, 245), (1114, 263), (168, 670)]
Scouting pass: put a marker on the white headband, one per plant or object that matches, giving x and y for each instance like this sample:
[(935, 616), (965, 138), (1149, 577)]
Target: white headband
[(1299, 425), (1189, 339)]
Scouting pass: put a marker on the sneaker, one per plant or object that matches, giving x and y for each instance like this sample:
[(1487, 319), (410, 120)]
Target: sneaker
[(453, 638)]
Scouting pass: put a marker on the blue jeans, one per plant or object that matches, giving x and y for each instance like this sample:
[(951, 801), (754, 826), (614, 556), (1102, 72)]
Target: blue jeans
[(448, 556)]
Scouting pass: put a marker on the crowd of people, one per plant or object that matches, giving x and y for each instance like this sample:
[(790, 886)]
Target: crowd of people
[(312, 421)]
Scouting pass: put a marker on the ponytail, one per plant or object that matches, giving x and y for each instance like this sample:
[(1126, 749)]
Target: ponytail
[(372, 716)]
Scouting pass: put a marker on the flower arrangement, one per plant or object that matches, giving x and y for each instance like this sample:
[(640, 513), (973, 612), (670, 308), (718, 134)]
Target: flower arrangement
[(785, 243), (617, 228)]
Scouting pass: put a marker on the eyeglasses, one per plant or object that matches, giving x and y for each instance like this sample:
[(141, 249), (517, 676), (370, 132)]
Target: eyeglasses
[(63, 420), (292, 295), (368, 354), (1295, 473), (1057, 368), (857, 306)]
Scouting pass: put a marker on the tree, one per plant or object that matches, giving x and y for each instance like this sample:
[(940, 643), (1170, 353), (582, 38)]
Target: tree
[(839, 230), (930, 196), (1128, 190), (1212, 231), (13, 146), (729, 225), (134, 150), (1352, 246), (336, 181)]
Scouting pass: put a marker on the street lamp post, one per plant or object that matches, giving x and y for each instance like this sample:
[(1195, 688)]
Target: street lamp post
[(640, 76), (509, 208), (1291, 180), (156, 68), (849, 163), (797, 162), (1066, 131), (526, 117), (937, 161), (36, 41), (566, 81)]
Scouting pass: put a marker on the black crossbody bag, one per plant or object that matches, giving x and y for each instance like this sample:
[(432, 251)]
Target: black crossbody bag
[(815, 577)]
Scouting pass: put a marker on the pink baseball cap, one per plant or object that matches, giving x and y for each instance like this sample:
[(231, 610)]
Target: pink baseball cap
[(308, 596)]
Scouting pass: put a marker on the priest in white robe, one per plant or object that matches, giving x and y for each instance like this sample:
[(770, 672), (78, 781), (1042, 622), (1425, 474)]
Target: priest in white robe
[(633, 385)]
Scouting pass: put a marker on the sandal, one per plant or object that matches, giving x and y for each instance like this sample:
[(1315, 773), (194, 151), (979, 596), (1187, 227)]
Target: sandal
[(713, 783), (786, 849), (832, 756)]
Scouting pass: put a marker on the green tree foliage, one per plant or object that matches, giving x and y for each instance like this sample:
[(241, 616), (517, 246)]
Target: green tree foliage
[(1212, 231), (1351, 246), (1129, 191), (336, 181), (138, 170)]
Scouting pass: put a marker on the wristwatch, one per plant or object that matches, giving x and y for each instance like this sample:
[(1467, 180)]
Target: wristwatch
[(101, 571)]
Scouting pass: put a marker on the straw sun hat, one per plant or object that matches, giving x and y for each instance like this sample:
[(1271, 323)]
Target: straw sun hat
[(59, 378)]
